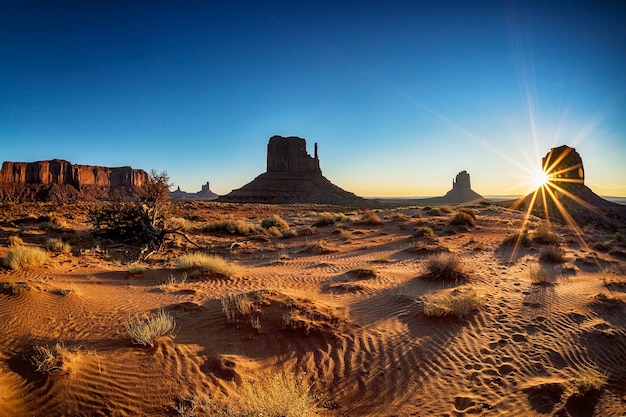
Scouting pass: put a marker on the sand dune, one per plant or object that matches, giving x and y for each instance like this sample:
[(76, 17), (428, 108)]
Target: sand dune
[(347, 316)]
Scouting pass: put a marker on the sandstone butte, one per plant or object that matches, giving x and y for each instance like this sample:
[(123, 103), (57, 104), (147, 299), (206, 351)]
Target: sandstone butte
[(59, 180), (292, 176)]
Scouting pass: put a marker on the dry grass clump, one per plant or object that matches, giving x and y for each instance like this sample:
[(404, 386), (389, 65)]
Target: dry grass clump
[(241, 303), (230, 226), (274, 221), (433, 212), (589, 379), (12, 288), (57, 245), (459, 303), (210, 264), (462, 218), (363, 272), (25, 257), (318, 247), (371, 218), (542, 275), (446, 267), (544, 236), (619, 237), (553, 254), (48, 359), (469, 211), (423, 231), (14, 241), (147, 331), (324, 219), (517, 239)]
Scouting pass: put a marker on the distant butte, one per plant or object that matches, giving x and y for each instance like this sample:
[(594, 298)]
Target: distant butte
[(59, 180), (204, 194), (566, 189), (461, 191), (292, 176)]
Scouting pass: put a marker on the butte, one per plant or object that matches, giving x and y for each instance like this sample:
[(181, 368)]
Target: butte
[(292, 176)]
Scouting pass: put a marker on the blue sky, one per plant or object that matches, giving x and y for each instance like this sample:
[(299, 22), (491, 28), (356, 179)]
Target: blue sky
[(400, 96)]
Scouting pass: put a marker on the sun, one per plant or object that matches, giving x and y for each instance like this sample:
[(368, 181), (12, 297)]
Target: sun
[(540, 179)]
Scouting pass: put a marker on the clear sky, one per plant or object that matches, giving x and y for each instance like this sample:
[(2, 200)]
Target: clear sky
[(399, 95)]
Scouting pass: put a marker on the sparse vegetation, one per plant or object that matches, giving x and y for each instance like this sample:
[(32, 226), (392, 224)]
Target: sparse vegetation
[(460, 303), (325, 219), (318, 247), (423, 231), (589, 379), (274, 221), (545, 236), (25, 257), (446, 267), (57, 245), (364, 272), (230, 226), (469, 211), (210, 264), (519, 238), (371, 218), (462, 218), (553, 254), (433, 212), (543, 275), (49, 359), (14, 241), (147, 331)]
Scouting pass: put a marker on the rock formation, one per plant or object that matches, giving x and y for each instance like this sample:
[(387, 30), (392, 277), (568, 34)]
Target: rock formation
[(566, 189), (292, 176), (461, 191), (204, 194), (59, 180)]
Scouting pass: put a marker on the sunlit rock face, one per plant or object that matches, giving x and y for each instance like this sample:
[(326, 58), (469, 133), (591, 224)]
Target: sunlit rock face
[(293, 176), (59, 180), (461, 191), (565, 195)]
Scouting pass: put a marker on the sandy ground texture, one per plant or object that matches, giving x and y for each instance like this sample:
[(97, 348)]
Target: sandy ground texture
[(352, 307)]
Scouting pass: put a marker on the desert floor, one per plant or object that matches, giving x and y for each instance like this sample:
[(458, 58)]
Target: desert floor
[(339, 305)]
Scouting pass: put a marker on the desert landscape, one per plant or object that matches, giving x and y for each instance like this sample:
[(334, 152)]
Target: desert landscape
[(387, 312)]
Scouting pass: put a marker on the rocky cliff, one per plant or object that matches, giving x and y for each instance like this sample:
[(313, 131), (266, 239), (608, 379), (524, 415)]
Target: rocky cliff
[(59, 180), (292, 176)]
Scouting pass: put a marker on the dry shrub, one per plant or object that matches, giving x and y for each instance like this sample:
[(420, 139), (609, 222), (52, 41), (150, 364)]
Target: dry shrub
[(553, 254), (147, 331), (318, 247), (15, 241), (210, 264), (543, 275), (274, 221), (423, 231), (589, 379), (459, 303), (48, 359), (325, 219), (24, 257), (57, 245), (287, 234), (446, 267), (371, 218), (517, 239), (363, 272), (433, 212), (462, 218), (230, 226), (469, 211), (544, 236)]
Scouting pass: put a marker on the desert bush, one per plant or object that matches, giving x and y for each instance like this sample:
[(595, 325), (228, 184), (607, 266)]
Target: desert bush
[(589, 379), (371, 218), (318, 246), (230, 226), (424, 231), (433, 212), (462, 218), (14, 241), (469, 211), (445, 210), (518, 238), (49, 359), (618, 237), (147, 331), (340, 217), (211, 264), (544, 236), (24, 257), (57, 245), (446, 267), (325, 219), (364, 272), (553, 254), (136, 269), (287, 234), (117, 220), (459, 303), (542, 275), (274, 221)]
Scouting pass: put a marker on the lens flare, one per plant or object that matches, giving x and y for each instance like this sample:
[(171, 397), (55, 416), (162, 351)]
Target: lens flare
[(540, 179)]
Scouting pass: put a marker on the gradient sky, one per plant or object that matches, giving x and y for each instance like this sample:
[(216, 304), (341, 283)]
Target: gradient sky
[(400, 96)]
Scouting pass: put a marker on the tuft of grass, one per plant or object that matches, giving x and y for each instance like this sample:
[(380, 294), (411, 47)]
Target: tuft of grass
[(274, 221), (25, 257), (210, 264), (363, 272), (371, 218), (230, 226), (553, 254), (446, 267), (542, 275), (518, 238), (14, 241), (318, 246), (136, 269), (48, 359), (325, 219), (469, 211), (433, 212), (289, 233), (462, 218), (57, 245), (147, 331), (544, 236), (589, 379), (617, 236), (459, 303), (423, 231)]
